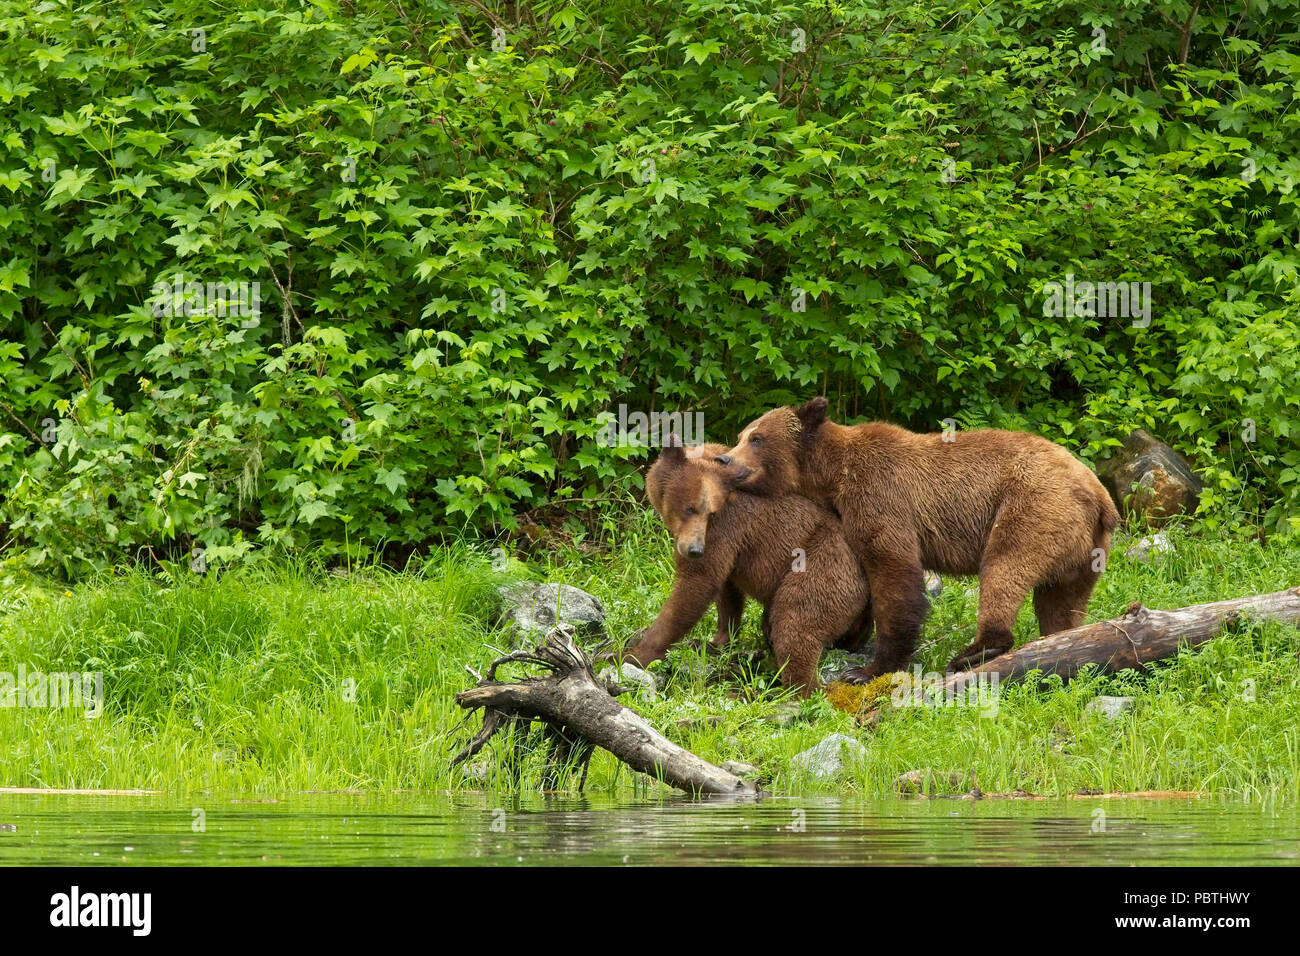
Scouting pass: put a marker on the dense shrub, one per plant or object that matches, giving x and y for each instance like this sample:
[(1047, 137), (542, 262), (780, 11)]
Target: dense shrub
[(470, 243)]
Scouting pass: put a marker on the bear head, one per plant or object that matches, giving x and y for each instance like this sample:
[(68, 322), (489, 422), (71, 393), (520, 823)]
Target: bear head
[(687, 487), (770, 455)]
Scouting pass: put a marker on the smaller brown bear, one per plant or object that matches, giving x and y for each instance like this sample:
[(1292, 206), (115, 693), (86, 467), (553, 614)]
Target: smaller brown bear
[(784, 551), (1021, 512)]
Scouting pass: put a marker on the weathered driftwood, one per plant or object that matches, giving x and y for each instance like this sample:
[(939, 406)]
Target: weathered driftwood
[(1140, 636), (580, 711)]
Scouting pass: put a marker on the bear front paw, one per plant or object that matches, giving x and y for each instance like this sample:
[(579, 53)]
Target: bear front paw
[(974, 656), (859, 675)]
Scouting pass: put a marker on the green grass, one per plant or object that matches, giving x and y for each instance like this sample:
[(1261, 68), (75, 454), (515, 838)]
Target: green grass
[(278, 678)]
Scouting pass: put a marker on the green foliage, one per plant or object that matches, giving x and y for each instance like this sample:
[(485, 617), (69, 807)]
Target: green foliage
[(470, 245)]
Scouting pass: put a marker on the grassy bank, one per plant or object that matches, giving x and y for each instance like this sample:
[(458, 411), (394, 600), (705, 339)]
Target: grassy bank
[(283, 678)]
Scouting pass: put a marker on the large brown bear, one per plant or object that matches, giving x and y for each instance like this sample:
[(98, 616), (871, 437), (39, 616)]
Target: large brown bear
[(1017, 509), (784, 551)]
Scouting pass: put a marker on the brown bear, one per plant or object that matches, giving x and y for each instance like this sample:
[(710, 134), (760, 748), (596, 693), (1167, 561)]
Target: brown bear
[(784, 551), (1016, 509)]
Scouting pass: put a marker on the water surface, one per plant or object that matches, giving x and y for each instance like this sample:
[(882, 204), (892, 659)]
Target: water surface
[(413, 829)]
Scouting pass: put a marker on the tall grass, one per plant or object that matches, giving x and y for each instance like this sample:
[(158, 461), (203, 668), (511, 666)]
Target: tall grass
[(282, 677)]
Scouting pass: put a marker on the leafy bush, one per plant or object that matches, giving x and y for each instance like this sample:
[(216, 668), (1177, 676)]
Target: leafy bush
[(469, 244)]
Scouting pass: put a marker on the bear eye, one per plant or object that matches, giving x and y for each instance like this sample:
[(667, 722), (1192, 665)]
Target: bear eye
[(691, 511), (756, 439)]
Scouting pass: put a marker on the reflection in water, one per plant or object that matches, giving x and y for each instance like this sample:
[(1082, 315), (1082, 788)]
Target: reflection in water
[(537, 830)]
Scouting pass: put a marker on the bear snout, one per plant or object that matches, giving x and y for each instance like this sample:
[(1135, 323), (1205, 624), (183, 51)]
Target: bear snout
[(693, 548), (735, 470)]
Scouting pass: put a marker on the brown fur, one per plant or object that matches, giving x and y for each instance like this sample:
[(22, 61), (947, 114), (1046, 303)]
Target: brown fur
[(750, 541), (1016, 509)]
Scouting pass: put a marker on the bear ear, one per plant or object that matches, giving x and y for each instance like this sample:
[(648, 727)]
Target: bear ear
[(673, 453), (812, 414)]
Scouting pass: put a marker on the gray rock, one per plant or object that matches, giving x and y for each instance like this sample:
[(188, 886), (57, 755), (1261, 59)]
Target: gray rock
[(834, 662), (689, 666), (934, 781), (629, 675), (786, 714), (531, 610), (1112, 708), (741, 769), (476, 774), (933, 584), (1151, 548), (1165, 483), (1060, 740), (829, 758)]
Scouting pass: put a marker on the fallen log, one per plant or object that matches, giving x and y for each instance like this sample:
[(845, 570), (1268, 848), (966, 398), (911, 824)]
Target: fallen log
[(1141, 635), (580, 711)]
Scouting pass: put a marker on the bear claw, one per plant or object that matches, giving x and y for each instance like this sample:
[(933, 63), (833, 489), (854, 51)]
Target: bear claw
[(974, 656), (857, 675)]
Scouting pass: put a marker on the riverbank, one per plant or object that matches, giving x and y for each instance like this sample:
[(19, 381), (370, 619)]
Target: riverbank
[(284, 678)]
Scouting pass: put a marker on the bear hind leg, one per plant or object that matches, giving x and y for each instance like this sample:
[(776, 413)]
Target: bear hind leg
[(1004, 586), (1061, 606), (797, 653), (800, 629)]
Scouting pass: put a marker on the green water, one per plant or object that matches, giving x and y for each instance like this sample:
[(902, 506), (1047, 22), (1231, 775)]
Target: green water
[(342, 829)]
